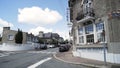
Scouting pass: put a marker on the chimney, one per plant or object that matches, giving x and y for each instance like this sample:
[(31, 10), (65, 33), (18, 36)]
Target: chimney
[(6, 28)]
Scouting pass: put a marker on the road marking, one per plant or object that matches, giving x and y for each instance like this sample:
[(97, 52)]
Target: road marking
[(42, 52), (4, 54), (39, 63)]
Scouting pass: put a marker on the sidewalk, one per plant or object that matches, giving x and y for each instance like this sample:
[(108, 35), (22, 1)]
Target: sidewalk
[(69, 58)]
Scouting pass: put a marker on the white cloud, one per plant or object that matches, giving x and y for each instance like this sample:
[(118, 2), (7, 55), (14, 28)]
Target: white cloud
[(35, 31), (5, 23), (63, 34), (38, 16)]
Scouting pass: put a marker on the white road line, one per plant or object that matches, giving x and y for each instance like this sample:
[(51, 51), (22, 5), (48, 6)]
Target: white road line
[(39, 63), (2, 55)]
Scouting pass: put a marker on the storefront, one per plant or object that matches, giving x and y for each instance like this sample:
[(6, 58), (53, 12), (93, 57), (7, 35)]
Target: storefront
[(91, 33)]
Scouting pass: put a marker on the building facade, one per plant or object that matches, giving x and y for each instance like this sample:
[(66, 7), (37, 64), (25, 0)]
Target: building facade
[(8, 36), (41, 34), (95, 22), (50, 36)]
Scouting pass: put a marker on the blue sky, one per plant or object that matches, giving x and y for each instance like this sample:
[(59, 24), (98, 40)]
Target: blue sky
[(34, 15)]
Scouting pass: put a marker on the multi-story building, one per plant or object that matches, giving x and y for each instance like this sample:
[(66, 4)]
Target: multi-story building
[(8, 36), (41, 34), (50, 36), (96, 22)]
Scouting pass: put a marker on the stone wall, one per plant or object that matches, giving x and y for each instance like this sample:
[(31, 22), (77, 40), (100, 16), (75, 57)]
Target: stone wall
[(112, 25), (6, 33)]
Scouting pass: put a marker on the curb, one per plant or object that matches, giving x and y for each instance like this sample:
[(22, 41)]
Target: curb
[(84, 64)]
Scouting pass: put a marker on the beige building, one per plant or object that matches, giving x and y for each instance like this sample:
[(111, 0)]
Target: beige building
[(8, 36), (95, 22)]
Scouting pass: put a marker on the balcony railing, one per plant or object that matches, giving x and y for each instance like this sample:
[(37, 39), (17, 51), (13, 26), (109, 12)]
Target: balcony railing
[(89, 12), (71, 2), (84, 13), (80, 15)]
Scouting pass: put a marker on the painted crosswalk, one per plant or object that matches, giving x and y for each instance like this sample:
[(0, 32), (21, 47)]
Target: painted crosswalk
[(3, 54)]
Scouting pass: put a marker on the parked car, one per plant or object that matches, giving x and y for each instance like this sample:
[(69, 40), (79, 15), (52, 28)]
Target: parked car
[(43, 46), (51, 46), (64, 48)]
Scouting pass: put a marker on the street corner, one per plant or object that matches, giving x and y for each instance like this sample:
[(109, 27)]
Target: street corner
[(61, 57), (67, 57)]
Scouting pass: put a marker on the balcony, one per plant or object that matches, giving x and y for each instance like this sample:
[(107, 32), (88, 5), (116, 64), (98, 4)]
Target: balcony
[(89, 12), (85, 15), (71, 3), (80, 16)]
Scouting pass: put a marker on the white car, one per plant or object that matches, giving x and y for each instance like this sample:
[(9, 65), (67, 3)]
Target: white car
[(50, 46)]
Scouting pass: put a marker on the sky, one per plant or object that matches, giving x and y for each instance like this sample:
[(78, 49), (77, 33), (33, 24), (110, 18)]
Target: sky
[(33, 16)]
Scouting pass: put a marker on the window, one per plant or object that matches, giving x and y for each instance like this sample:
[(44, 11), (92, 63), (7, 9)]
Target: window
[(80, 31), (28, 38), (90, 38), (89, 29), (81, 39), (100, 37), (99, 26), (100, 32), (10, 37)]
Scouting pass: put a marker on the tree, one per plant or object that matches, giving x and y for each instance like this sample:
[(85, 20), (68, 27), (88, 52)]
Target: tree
[(19, 37), (54, 41), (66, 41), (41, 41)]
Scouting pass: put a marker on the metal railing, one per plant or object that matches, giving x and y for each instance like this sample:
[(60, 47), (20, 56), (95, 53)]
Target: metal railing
[(89, 12), (85, 12)]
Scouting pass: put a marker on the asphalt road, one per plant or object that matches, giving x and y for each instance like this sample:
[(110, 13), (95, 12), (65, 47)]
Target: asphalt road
[(34, 59)]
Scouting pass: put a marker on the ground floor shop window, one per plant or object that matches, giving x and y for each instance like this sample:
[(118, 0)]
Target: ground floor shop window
[(90, 38), (100, 37), (92, 33), (100, 32)]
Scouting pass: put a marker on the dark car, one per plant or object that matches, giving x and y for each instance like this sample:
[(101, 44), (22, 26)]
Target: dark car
[(43, 46), (64, 48)]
